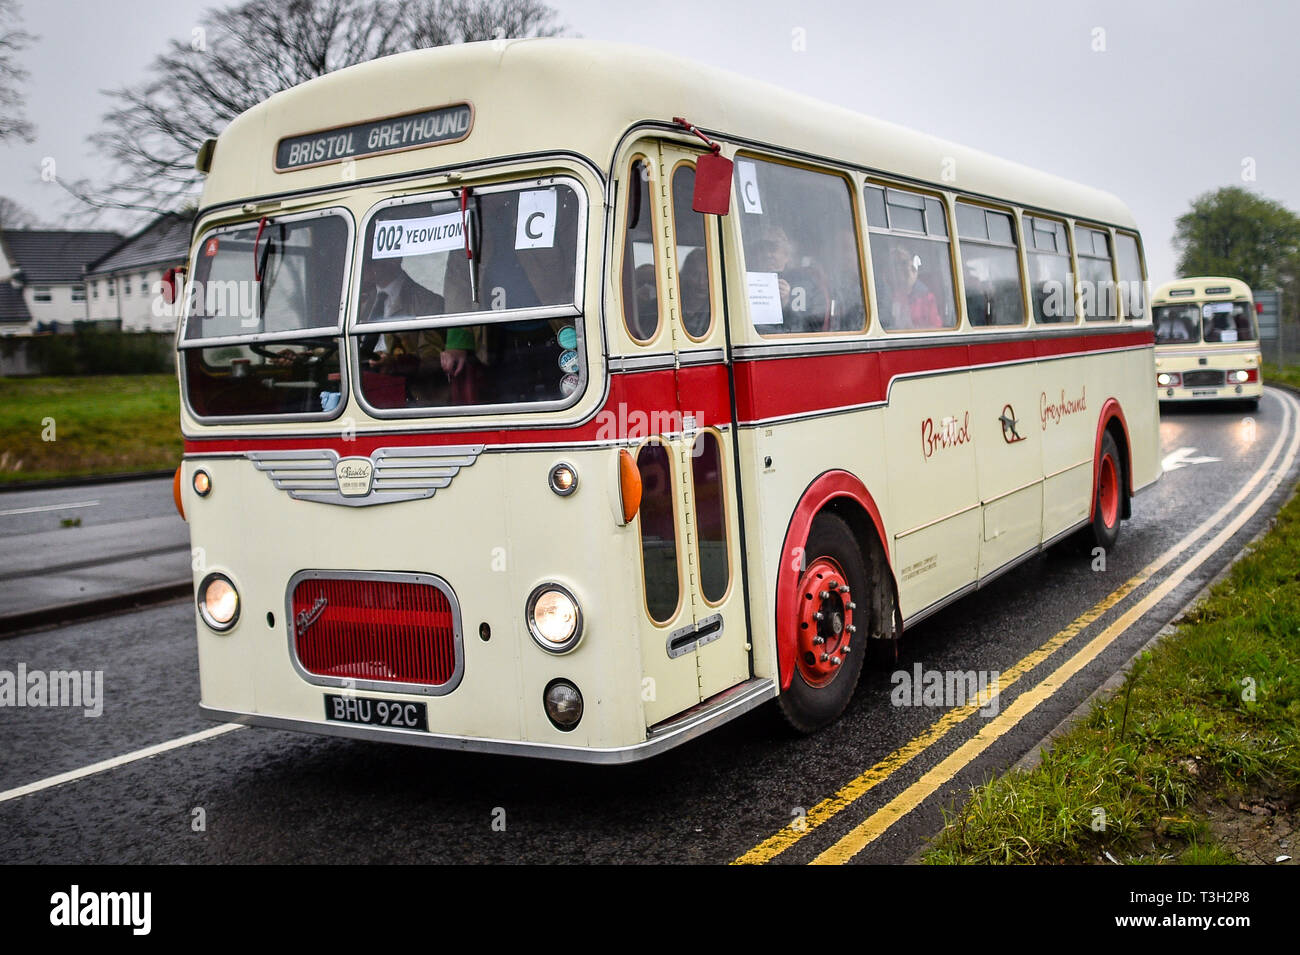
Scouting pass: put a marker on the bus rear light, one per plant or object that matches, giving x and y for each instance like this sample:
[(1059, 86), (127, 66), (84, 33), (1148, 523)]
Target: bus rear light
[(563, 703), (1168, 379), (629, 485), (176, 493)]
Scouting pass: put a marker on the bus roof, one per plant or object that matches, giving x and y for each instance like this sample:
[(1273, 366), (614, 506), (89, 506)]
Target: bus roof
[(1200, 288), (580, 96)]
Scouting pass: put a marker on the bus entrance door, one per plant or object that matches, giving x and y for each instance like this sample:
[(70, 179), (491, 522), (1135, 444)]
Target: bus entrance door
[(709, 626)]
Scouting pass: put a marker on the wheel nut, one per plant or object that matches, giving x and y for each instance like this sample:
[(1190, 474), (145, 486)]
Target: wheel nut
[(836, 661), (845, 649), (819, 615), (825, 657), (844, 589), (825, 595), (818, 641), (852, 628), (852, 605)]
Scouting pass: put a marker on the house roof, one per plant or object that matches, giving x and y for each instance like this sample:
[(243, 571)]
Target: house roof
[(12, 306), (164, 241), (54, 255)]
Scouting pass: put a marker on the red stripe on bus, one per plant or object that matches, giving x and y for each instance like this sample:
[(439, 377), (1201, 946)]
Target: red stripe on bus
[(643, 403)]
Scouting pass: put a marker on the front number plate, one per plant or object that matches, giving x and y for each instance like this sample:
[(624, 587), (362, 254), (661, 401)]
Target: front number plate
[(356, 709)]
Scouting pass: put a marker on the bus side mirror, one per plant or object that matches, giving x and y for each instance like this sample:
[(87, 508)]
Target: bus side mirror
[(170, 280), (712, 185)]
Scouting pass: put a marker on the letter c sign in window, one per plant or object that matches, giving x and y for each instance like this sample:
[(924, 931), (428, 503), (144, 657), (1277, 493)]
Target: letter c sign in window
[(535, 227)]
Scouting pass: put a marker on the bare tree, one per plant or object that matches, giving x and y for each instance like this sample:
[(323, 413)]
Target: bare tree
[(245, 53), (13, 40), (15, 216)]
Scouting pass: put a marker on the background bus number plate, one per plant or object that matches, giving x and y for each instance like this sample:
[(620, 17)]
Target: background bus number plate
[(359, 710)]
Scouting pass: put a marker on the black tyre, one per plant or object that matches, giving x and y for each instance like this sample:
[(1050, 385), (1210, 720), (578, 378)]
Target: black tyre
[(830, 648), (1108, 504)]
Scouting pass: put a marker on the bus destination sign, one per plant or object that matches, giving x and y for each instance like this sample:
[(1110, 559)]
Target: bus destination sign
[(447, 124)]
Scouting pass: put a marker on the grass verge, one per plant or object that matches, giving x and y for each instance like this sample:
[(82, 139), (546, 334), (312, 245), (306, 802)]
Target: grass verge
[(1195, 760), (75, 427), (1284, 374)]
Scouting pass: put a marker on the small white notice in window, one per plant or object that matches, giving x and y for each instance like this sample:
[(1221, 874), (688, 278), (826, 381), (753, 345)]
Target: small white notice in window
[(748, 173), (1228, 335), (535, 227), (395, 238), (764, 298)]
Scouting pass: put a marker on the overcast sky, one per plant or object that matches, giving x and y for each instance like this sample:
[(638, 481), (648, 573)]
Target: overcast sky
[(1183, 94)]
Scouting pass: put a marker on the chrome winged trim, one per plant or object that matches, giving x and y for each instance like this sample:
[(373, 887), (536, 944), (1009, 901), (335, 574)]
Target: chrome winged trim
[(390, 475)]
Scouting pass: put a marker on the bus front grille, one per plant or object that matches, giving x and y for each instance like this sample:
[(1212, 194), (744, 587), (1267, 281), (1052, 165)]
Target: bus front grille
[(376, 631), (1207, 378)]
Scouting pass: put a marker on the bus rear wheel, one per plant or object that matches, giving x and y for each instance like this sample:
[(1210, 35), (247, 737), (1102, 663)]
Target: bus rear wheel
[(1108, 505), (832, 622)]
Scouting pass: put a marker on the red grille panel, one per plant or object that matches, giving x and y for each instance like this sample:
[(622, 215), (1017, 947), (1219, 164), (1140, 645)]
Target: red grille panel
[(384, 630)]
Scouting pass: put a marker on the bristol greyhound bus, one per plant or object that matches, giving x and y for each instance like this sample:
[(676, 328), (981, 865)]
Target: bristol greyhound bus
[(568, 399), (1207, 341)]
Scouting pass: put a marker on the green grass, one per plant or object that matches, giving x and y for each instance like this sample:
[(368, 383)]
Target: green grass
[(1192, 736), (101, 425), (1285, 374)]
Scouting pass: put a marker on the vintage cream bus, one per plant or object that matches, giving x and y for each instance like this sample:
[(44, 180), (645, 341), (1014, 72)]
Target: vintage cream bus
[(566, 399), (1207, 341)]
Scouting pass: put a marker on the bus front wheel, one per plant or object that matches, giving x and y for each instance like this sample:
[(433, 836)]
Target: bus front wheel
[(832, 626)]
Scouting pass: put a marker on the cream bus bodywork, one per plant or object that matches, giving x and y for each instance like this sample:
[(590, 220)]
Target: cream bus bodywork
[(947, 520)]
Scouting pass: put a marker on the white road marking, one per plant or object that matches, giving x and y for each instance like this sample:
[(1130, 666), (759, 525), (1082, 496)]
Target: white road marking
[(117, 761), (48, 507), (1183, 457)]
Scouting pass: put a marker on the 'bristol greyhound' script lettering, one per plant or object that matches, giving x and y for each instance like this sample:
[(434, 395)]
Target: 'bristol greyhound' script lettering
[(1056, 411), (947, 434)]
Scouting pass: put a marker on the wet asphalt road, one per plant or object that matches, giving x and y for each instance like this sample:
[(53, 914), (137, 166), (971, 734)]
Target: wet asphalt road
[(271, 796), (62, 545)]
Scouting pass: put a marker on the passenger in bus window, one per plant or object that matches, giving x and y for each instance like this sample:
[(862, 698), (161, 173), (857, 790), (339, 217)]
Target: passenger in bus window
[(910, 302), (805, 301), (388, 292), (979, 298)]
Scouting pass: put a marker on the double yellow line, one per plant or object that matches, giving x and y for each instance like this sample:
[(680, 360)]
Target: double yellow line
[(879, 821)]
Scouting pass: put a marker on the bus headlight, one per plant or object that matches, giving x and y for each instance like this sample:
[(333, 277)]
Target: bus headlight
[(1238, 377), (563, 703), (554, 618), (1166, 378), (218, 602)]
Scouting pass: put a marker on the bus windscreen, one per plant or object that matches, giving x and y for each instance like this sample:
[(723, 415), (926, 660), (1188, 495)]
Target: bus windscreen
[(506, 259)]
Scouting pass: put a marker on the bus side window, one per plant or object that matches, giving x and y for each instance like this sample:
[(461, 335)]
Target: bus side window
[(1051, 290), (1096, 278), (1132, 292), (990, 259), (658, 532), (640, 258), (692, 251), (911, 259), (799, 233)]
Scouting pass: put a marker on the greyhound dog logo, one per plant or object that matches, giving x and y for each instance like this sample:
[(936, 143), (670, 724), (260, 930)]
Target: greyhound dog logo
[(1008, 420)]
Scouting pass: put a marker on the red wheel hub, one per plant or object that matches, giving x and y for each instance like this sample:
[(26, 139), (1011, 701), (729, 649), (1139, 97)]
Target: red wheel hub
[(1108, 491), (826, 626)]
